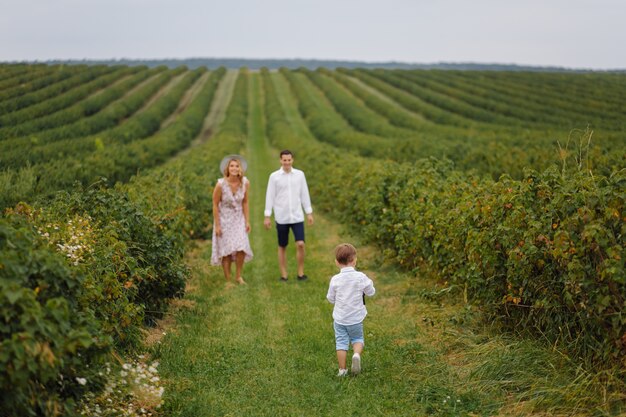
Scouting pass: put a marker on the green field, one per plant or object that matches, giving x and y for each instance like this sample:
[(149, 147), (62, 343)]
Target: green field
[(487, 206)]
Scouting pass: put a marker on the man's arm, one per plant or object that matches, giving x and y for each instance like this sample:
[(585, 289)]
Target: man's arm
[(269, 202), (305, 198)]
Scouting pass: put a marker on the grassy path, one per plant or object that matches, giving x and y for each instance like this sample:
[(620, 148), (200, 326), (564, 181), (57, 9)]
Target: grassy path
[(384, 97), (267, 348), (162, 91), (216, 114), (187, 98), (221, 100)]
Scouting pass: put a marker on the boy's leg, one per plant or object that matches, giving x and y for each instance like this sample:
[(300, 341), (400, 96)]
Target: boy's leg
[(341, 358), (356, 337), (356, 358), (342, 344)]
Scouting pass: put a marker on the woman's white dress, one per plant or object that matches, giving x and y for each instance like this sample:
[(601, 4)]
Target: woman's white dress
[(233, 223)]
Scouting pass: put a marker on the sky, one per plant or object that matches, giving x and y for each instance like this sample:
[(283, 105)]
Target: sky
[(581, 34)]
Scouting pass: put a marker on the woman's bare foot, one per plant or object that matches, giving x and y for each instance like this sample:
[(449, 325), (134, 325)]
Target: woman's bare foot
[(241, 281)]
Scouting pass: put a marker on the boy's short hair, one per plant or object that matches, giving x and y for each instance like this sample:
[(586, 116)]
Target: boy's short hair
[(345, 253), (286, 152)]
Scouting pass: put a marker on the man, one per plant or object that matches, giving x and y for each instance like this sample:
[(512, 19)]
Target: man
[(287, 194)]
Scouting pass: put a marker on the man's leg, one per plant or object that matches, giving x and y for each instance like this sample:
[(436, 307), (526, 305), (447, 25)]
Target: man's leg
[(282, 231), (282, 261), (300, 257), (298, 234)]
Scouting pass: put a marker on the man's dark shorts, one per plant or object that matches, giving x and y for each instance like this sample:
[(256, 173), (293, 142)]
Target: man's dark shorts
[(283, 232)]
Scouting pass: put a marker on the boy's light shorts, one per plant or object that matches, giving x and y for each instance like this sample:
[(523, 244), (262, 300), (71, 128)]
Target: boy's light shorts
[(344, 335)]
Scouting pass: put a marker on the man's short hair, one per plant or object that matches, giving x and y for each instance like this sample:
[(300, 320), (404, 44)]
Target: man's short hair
[(345, 253), (286, 152)]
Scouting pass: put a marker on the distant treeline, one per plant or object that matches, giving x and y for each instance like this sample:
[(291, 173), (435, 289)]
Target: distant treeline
[(255, 64)]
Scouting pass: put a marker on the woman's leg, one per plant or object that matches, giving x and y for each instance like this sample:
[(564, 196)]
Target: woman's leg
[(239, 258), (226, 262)]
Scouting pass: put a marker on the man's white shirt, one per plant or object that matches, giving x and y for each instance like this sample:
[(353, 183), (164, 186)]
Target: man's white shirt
[(287, 193)]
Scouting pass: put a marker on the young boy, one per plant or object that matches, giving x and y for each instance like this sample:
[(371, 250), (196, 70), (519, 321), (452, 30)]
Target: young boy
[(346, 291)]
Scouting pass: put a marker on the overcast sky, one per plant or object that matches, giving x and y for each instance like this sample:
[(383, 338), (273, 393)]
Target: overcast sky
[(566, 33)]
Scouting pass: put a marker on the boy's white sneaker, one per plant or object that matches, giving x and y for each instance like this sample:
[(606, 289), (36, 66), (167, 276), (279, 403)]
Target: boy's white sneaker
[(342, 372), (356, 364)]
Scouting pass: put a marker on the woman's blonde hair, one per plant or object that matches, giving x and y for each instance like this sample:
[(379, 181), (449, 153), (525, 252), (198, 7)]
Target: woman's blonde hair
[(227, 173)]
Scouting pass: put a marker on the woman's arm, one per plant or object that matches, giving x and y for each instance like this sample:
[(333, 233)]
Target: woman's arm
[(217, 197), (246, 207)]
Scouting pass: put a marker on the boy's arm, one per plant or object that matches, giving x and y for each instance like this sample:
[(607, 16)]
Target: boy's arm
[(330, 296), (369, 289)]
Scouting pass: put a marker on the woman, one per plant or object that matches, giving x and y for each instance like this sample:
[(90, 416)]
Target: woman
[(231, 223)]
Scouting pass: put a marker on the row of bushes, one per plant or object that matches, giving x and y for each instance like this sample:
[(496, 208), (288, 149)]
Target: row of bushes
[(54, 89), (529, 104), (486, 150), (139, 125), (544, 253), (32, 79), (591, 89), (126, 103), (82, 101), (116, 162), (15, 79), (83, 272), (79, 275)]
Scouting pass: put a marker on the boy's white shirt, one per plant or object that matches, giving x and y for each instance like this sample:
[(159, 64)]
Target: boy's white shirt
[(346, 291)]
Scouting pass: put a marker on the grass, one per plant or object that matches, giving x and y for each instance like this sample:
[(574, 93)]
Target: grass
[(267, 348)]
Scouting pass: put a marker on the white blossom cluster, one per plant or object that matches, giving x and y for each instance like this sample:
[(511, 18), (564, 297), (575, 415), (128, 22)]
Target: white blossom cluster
[(133, 391), (73, 239)]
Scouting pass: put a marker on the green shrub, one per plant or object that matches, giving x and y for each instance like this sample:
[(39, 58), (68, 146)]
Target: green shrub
[(543, 254), (49, 336), (134, 250)]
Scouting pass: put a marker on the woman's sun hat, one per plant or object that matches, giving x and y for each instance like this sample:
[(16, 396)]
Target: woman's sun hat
[(228, 158)]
